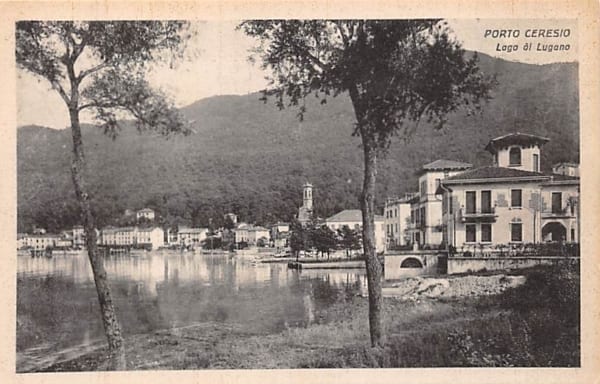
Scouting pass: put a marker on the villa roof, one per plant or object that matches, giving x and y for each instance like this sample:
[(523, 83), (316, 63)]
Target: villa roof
[(557, 178), (146, 210), (192, 230), (492, 174), (518, 138), (258, 228), (349, 215), (444, 165)]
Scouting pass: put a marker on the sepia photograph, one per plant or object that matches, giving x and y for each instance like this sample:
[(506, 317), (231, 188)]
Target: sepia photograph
[(298, 193)]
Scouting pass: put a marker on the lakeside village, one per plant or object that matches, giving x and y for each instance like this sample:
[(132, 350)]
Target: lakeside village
[(462, 219)]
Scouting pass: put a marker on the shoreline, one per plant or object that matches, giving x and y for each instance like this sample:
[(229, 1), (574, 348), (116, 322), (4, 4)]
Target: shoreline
[(472, 324)]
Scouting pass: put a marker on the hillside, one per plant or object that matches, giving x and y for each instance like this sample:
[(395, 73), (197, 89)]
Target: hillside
[(250, 158)]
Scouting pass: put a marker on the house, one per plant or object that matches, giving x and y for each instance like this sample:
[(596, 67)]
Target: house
[(78, 235), (567, 169), (152, 238), (188, 236), (425, 227), (232, 216), (240, 233), (510, 202), (146, 213), (256, 233), (39, 241), (115, 236), (353, 219), (279, 234), (397, 219)]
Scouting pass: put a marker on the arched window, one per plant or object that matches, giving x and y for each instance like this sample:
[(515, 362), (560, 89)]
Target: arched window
[(514, 156)]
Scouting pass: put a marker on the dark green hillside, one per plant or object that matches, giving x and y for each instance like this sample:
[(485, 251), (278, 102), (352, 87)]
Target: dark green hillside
[(250, 158)]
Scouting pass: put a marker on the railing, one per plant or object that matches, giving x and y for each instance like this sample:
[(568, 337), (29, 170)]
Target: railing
[(486, 213), (555, 249), (564, 212)]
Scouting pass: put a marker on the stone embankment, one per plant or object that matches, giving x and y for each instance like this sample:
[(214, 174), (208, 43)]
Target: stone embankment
[(461, 286)]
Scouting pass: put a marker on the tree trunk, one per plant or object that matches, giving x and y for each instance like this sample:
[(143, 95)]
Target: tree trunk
[(112, 328), (374, 272)]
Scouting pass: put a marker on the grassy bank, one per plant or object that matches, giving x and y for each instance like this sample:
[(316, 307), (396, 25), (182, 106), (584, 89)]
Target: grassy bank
[(535, 324)]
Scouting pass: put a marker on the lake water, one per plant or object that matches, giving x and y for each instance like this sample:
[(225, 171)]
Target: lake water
[(57, 306)]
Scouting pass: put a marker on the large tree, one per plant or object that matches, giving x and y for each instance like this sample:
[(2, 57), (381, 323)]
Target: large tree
[(99, 67), (396, 72)]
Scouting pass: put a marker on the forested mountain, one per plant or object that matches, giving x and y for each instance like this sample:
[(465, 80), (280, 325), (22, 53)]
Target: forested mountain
[(250, 158)]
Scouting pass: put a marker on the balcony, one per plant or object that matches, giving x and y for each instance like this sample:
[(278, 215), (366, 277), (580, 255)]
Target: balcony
[(480, 215), (564, 213)]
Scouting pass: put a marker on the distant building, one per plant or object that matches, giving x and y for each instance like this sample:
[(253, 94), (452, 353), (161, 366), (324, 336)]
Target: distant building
[(152, 238), (306, 210), (241, 233), (123, 236), (78, 234), (132, 237), (232, 216), (191, 236), (128, 212), (397, 220), (353, 219), (255, 233), (38, 241), (511, 202), (426, 208), (145, 213), (567, 169), (279, 233)]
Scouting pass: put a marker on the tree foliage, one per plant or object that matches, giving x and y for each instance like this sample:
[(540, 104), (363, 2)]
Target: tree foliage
[(100, 66), (400, 70), (350, 239)]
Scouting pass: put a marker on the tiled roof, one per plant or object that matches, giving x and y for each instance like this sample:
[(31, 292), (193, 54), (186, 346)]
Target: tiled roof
[(515, 138), (350, 215), (492, 173), (442, 164), (192, 230), (557, 177), (258, 228)]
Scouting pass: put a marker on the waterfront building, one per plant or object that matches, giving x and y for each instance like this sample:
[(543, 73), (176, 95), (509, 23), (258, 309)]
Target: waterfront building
[(306, 210), (153, 237), (352, 218), (512, 201), (397, 220), (39, 241), (78, 235), (21, 240), (115, 236), (145, 213), (256, 233), (240, 233), (425, 227), (279, 234), (188, 236)]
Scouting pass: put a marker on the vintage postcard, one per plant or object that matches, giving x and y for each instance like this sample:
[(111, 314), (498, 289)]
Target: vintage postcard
[(300, 192)]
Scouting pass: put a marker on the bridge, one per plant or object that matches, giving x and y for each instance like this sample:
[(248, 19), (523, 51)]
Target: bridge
[(400, 264)]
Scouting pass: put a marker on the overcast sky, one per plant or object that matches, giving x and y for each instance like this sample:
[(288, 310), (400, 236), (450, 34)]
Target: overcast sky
[(217, 64)]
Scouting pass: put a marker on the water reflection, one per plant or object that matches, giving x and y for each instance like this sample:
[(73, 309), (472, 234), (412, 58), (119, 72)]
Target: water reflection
[(57, 304)]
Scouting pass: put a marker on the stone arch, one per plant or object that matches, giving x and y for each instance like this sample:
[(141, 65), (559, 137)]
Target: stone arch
[(554, 231), (411, 262)]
